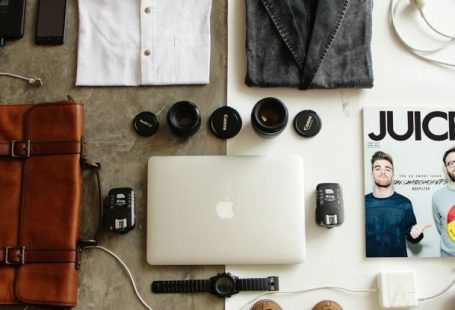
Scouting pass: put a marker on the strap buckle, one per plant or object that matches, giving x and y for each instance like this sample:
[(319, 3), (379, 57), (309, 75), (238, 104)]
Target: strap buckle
[(20, 148), (274, 284), (20, 255)]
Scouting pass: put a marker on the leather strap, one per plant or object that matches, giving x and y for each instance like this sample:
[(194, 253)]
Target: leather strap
[(27, 148), (22, 255), (81, 244), (86, 164)]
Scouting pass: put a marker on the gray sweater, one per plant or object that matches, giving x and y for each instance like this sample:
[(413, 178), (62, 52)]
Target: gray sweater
[(444, 203)]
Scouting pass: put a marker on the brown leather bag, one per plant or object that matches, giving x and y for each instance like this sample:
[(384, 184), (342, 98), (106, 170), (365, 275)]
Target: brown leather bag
[(41, 147)]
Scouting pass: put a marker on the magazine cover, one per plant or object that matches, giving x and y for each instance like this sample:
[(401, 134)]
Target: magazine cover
[(409, 166)]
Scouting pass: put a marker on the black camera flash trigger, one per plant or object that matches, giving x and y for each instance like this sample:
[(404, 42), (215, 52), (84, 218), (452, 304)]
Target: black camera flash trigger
[(329, 205), (119, 210)]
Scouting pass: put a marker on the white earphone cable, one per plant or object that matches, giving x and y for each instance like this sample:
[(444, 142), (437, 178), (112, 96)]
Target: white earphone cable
[(424, 17), (421, 53)]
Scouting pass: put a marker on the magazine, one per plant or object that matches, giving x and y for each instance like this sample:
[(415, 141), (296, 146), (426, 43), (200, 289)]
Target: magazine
[(404, 170)]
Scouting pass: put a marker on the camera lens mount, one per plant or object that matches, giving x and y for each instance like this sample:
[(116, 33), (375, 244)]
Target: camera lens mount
[(269, 117), (184, 118)]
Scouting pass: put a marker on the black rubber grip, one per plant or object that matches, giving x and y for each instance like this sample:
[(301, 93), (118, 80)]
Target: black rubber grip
[(181, 286)]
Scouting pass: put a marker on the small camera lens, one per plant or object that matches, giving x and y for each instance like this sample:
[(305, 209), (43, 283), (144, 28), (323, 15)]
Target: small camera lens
[(269, 117), (184, 118)]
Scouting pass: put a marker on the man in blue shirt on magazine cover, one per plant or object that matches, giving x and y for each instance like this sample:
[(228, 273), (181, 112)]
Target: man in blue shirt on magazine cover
[(389, 216)]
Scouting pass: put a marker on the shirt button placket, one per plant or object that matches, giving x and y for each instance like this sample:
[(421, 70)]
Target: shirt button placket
[(147, 31), (147, 10)]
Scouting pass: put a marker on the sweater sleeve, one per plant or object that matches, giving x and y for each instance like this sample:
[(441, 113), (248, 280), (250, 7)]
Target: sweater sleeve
[(436, 215), (410, 221)]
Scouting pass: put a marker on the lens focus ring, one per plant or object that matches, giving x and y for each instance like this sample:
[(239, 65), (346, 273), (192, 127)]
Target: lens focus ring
[(184, 118), (269, 117)]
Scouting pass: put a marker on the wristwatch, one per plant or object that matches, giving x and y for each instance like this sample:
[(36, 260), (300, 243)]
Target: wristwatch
[(222, 285)]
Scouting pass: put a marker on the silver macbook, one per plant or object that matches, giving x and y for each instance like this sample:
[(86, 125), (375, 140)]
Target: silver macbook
[(219, 210)]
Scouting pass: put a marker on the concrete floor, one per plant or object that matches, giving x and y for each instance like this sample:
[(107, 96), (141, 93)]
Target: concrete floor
[(109, 112)]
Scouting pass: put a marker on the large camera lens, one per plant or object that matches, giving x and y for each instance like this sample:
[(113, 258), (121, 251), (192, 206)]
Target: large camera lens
[(184, 118), (269, 117)]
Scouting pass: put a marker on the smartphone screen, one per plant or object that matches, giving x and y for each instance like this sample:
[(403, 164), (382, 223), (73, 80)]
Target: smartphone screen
[(50, 22)]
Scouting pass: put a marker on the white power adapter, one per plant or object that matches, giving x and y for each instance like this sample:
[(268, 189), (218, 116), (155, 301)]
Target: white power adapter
[(397, 289)]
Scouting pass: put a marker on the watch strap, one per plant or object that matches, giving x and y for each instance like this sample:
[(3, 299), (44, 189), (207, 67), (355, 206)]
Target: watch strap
[(181, 286), (258, 284)]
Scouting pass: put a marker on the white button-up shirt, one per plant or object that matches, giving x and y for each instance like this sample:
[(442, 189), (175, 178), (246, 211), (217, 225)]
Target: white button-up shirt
[(143, 42)]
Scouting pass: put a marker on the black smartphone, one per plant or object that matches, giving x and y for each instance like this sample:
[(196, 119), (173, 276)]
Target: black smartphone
[(12, 13), (50, 22)]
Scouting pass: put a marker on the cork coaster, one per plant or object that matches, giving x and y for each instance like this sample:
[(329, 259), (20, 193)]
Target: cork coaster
[(327, 305), (265, 304)]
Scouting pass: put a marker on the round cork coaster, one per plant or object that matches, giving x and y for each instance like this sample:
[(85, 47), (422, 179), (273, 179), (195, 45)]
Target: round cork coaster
[(266, 304), (327, 305)]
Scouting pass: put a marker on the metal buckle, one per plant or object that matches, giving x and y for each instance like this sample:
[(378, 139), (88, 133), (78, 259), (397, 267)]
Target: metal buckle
[(274, 283), (26, 143), (21, 255)]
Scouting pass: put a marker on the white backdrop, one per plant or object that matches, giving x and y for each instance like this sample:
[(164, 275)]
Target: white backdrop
[(336, 257)]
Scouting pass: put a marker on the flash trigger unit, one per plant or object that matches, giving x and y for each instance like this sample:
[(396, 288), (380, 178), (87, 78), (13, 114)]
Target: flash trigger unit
[(119, 210), (329, 205)]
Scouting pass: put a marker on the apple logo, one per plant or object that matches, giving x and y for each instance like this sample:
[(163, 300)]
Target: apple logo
[(225, 209)]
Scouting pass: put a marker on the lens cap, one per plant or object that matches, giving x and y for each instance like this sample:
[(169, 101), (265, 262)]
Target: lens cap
[(146, 124), (184, 118), (269, 117), (307, 123), (225, 122)]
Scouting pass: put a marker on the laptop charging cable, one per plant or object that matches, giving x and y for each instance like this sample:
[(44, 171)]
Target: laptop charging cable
[(396, 289)]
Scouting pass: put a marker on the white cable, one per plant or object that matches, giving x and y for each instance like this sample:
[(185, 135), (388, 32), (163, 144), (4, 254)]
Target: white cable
[(126, 269), (393, 9), (440, 293), (337, 288), (422, 14), (32, 81), (417, 51)]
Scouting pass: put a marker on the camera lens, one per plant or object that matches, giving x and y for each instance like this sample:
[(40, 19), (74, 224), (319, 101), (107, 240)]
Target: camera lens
[(269, 117), (184, 118)]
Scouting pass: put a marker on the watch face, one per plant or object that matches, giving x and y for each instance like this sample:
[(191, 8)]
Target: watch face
[(225, 286)]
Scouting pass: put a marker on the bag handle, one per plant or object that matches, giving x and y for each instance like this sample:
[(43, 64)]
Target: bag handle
[(81, 244)]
